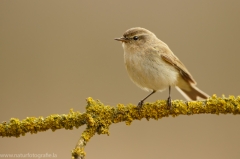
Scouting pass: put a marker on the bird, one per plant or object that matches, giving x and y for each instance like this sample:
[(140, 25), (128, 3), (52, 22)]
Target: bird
[(152, 66)]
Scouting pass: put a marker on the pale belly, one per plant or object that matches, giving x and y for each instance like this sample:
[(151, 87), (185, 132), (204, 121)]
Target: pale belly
[(150, 72)]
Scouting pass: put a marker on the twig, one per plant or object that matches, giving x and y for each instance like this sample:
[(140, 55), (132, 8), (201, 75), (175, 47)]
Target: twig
[(99, 117)]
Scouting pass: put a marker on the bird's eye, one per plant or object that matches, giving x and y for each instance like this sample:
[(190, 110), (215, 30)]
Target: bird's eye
[(135, 38)]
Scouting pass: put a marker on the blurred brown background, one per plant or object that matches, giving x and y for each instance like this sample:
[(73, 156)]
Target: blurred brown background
[(55, 54)]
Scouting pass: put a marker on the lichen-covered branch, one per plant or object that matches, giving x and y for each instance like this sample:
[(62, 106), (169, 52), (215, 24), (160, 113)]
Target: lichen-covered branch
[(98, 117)]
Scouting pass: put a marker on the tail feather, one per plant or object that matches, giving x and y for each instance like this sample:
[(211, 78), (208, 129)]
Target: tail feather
[(190, 91), (193, 94)]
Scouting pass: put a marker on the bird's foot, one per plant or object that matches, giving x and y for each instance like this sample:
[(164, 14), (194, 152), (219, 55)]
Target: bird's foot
[(140, 104), (169, 103)]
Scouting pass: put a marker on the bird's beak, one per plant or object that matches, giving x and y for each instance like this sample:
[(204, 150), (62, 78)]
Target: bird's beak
[(122, 39)]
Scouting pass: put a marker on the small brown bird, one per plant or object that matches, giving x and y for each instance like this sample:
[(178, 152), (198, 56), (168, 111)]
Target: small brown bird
[(152, 66)]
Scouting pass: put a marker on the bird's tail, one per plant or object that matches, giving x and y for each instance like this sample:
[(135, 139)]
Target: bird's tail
[(190, 91)]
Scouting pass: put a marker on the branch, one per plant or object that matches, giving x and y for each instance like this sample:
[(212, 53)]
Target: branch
[(99, 117)]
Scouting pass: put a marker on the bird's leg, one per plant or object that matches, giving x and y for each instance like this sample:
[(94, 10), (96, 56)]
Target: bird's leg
[(169, 100), (140, 104)]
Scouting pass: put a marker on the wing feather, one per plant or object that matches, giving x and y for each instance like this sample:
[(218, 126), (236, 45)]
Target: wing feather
[(169, 57)]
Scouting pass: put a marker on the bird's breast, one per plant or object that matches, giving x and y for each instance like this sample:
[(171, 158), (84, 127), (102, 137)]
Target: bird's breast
[(149, 71)]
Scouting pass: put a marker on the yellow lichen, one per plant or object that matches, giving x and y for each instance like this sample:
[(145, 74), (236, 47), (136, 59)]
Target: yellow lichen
[(99, 117)]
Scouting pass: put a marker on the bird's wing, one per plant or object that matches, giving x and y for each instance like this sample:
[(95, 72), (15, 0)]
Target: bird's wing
[(168, 56)]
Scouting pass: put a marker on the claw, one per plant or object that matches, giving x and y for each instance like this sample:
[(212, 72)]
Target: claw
[(140, 104), (169, 102)]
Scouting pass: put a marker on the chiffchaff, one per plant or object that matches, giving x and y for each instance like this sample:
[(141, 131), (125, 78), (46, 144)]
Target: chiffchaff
[(152, 66)]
